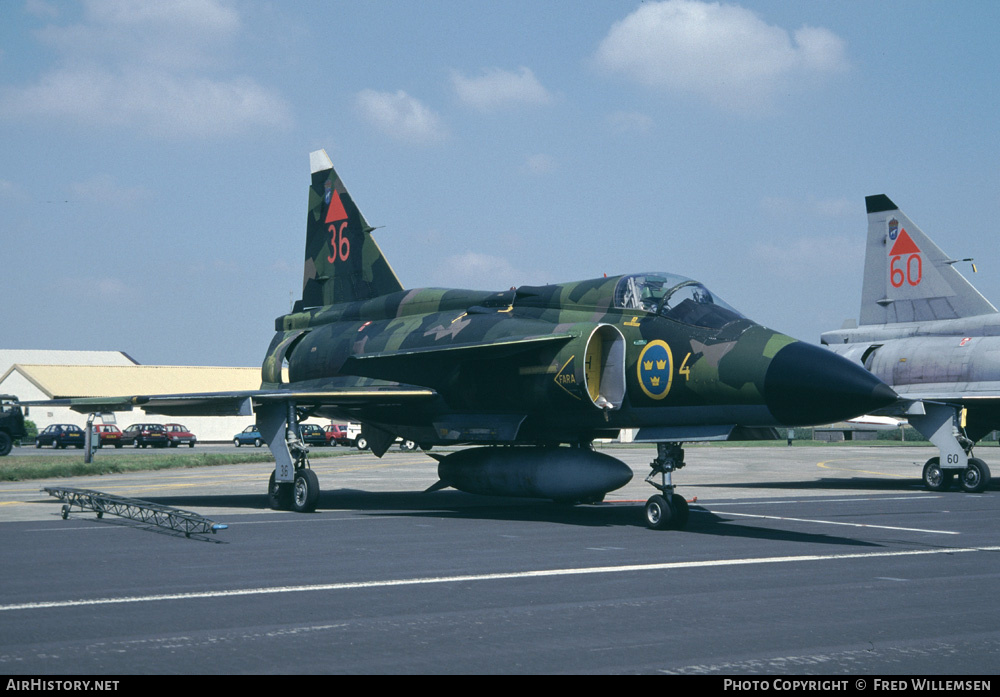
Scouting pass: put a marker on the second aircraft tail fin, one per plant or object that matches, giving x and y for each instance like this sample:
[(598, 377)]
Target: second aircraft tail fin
[(907, 277)]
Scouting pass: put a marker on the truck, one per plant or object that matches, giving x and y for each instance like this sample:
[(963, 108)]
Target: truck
[(11, 423)]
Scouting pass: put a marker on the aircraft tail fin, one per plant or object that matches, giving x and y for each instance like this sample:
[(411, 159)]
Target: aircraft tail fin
[(907, 277), (343, 262)]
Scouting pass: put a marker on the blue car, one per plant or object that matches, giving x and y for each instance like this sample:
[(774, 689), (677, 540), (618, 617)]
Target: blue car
[(61, 436), (249, 435)]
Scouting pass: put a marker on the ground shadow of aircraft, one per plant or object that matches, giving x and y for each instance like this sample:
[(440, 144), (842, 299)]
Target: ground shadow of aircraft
[(456, 505)]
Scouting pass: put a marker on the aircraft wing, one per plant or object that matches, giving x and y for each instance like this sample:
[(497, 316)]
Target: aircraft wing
[(394, 366), (237, 403)]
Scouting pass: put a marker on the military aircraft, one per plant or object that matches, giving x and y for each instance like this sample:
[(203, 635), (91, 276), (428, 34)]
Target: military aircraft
[(927, 332), (530, 375)]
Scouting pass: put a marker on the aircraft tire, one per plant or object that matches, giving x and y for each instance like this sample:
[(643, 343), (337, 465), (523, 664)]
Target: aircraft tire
[(976, 476), (305, 493), (659, 513), (681, 512), (408, 445), (279, 495), (935, 478)]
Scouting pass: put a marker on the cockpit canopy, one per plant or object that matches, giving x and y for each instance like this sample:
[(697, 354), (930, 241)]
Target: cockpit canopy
[(674, 297)]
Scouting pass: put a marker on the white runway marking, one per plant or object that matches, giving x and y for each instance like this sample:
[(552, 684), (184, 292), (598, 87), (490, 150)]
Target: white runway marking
[(628, 568), (828, 522), (782, 502)]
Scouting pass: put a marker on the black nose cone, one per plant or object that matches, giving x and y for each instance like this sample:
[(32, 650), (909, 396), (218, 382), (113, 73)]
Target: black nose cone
[(806, 385)]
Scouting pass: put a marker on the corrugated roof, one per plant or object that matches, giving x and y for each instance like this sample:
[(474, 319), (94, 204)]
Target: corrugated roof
[(9, 357), (59, 381)]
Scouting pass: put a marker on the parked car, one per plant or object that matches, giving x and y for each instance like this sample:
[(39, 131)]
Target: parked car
[(179, 435), (312, 434), (144, 435), (248, 436), (60, 436), (336, 434), (108, 434)]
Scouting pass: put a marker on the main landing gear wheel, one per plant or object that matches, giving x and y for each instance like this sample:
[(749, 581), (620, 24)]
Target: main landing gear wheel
[(305, 491), (279, 494), (935, 478), (666, 514), (976, 477)]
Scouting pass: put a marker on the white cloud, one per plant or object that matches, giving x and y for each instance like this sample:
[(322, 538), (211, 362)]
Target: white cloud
[(807, 258), (111, 289), (630, 122), (480, 271), (400, 116), (41, 9), (104, 189), (11, 191), (723, 53), (540, 164), (788, 208), (497, 89), (207, 15), (185, 34), (157, 67), (154, 102), (95, 289)]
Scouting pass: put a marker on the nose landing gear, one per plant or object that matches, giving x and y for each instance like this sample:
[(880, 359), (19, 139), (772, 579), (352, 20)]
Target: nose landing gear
[(666, 510)]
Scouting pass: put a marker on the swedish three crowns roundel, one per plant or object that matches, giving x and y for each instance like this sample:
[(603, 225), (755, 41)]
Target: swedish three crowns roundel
[(655, 369)]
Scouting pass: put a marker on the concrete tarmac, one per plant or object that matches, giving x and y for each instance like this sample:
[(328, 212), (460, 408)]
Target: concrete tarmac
[(801, 560)]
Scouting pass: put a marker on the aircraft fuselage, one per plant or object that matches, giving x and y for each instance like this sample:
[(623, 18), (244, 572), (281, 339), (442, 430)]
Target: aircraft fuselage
[(558, 363)]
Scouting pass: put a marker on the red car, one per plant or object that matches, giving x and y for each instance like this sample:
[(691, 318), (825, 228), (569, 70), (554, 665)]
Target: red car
[(109, 434), (179, 435), (337, 435)]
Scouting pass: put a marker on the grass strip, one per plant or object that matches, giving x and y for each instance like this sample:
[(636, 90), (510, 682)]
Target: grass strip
[(16, 468)]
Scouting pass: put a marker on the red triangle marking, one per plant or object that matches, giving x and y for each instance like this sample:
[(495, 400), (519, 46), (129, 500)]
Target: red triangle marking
[(336, 210), (904, 245)]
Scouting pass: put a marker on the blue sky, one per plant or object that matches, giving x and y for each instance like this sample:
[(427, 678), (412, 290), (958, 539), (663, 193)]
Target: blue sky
[(154, 156)]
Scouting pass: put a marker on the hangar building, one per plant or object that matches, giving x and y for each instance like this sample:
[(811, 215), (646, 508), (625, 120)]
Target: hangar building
[(40, 375)]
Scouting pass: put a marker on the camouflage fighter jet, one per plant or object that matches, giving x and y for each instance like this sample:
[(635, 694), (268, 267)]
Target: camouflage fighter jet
[(927, 332), (530, 375)]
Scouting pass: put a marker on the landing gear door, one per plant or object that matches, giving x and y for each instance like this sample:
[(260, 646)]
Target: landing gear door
[(939, 424), (272, 420)]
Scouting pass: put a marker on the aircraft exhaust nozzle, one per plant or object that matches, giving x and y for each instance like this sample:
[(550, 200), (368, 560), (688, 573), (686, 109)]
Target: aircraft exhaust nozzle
[(806, 385), (561, 474)]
